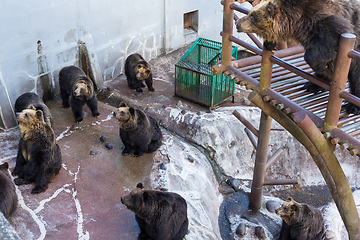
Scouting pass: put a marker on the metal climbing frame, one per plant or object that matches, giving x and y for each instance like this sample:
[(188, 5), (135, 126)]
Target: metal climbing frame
[(315, 120)]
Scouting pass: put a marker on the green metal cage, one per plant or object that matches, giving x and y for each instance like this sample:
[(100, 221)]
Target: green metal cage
[(193, 77)]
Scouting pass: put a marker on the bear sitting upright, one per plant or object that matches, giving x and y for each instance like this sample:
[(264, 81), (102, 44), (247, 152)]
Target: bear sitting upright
[(137, 130), (300, 221), (160, 215), (8, 197), (317, 26), (39, 156), (27, 100), (74, 82), (138, 70)]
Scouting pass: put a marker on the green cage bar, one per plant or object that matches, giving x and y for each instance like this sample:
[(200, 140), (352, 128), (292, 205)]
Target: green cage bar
[(193, 77)]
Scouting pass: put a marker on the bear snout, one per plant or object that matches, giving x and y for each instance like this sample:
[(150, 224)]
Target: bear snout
[(114, 114), (122, 200)]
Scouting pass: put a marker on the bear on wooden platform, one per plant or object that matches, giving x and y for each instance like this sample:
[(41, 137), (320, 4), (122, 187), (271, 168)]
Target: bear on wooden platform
[(317, 26)]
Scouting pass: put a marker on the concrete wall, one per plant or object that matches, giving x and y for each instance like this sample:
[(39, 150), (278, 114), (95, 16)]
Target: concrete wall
[(40, 37)]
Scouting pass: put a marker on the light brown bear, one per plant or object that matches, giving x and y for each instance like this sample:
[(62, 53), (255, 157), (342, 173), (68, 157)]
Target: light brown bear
[(300, 221), (137, 130), (160, 215), (39, 156)]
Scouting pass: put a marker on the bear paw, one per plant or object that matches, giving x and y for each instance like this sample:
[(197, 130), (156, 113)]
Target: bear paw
[(151, 89), (271, 46), (79, 119), (20, 181), (137, 153), (312, 87), (352, 108), (66, 105), (126, 152), (38, 189), (139, 90), (96, 114)]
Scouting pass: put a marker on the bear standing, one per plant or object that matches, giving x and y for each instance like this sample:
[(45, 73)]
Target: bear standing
[(39, 156), (300, 221), (137, 130), (160, 215), (8, 197), (317, 25), (138, 70), (74, 82)]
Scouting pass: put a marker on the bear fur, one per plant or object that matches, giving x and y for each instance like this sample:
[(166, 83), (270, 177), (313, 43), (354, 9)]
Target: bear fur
[(8, 197), (300, 221), (26, 100), (74, 82), (160, 215), (138, 70), (317, 26), (39, 156), (137, 130)]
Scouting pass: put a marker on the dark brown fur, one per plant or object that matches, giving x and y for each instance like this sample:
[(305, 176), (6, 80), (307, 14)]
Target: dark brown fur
[(300, 221), (160, 215), (8, 197), (317, 25)]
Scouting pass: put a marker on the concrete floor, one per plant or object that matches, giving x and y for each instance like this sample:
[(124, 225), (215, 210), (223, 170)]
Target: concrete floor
[(83, 200)]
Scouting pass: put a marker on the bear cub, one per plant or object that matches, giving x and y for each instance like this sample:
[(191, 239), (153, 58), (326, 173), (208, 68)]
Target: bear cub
[(300, 221), (138, 70), (74, 82), (8, 197), (39, 156), (137, 130), (160, 215)]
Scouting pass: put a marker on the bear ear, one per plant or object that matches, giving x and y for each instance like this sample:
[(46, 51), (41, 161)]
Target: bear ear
[(272, 9), (132, 111), (122, 104), (31, 107), (140, 185), (290, 199), (40, 115), (5, 165)]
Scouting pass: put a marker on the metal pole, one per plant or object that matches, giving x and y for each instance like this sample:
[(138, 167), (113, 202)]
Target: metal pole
[(260, 162)]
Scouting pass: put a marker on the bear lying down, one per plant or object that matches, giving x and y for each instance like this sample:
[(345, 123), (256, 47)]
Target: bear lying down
[(160, 215)]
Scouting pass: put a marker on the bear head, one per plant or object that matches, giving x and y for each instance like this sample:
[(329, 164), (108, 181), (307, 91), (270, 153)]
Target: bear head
[(124, 113), (82, 89), (267, 20), (142, 71), (135, 200), (29, 119), (290, 211), (4, 167)]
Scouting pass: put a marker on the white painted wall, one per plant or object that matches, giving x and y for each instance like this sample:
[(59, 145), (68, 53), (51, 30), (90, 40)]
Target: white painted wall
[(110, 29)]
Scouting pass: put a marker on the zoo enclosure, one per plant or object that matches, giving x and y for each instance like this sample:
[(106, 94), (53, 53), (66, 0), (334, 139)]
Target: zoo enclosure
[(315, 120)]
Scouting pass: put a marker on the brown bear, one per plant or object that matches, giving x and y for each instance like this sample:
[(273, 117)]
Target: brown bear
[(300, 221), (74, 82), (160, 215), (137, 130), (317, 25), (8, 197), (138, 70), (28, 100), (39, 156)]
